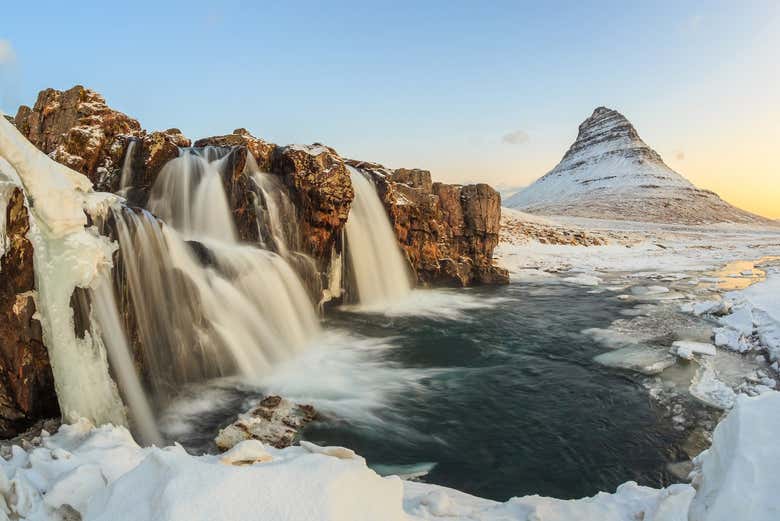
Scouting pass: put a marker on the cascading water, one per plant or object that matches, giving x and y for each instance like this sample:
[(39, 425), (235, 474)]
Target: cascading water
[(107, 315), (278, 225), (126, 177), (189, 196), (204, 305), (374, 255), (193, 303)]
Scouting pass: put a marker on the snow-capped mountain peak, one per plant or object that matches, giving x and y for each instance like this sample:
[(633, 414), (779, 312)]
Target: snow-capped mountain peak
[(609, 172)]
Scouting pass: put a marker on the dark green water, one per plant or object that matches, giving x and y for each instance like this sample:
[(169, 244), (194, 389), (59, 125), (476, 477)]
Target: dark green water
[(505, 399), (520, 408)]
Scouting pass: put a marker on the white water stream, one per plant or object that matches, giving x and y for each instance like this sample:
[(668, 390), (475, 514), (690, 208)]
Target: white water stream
[(379, 268)]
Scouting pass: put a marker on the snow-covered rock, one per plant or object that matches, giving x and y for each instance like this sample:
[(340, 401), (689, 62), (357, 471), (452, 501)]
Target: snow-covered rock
[(610, 173)]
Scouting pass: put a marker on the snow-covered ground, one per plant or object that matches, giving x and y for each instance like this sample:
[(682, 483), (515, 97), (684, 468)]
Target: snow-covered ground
[(89, 473)]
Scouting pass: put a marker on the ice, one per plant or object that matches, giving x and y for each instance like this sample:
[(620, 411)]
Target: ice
[(708, 388), (649, 290), (712, 307), (687, 350), (730, 339), (67, 255), (583, 280), (642, 359), (741, 320)]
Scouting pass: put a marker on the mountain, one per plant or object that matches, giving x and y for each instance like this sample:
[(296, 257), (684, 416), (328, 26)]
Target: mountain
[(610, 173)]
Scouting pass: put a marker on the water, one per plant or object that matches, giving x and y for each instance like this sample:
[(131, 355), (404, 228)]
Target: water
[(380, 271), (202, 304), (495, 394)]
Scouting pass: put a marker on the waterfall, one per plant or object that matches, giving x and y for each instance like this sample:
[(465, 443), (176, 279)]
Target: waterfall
[(107, 315), (278, 225), (204, 305), (375, 257), (126, 177), (189, 196)]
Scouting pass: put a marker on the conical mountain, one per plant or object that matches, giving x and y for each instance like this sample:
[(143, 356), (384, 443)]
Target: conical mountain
[(610, 173)]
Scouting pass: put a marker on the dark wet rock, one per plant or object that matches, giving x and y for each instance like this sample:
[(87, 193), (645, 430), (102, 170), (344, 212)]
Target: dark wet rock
[(26, 381), (274, 421)]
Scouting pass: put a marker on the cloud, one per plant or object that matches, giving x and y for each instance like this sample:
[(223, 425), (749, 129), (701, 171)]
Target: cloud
[(7, 54), (679, 155), (518, 137)]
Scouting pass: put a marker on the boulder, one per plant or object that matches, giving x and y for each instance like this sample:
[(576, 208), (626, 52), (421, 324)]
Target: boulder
[(26, 381), (275, 421)]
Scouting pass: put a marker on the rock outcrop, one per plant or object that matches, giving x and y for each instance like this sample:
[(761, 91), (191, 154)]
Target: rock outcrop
[(448, 232), (275, 421), (610, 173), (76, 128), (26, 381)]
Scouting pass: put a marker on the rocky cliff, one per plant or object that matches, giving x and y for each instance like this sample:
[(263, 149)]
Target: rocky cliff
[(447, 231), (610, 173)]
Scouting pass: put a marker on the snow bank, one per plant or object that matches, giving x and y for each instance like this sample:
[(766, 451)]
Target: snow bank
[(102, 474), (763, 299), (737, 477)]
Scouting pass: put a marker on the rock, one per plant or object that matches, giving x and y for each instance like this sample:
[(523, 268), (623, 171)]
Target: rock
[(261, 151), (26, 381), (78, 129), (321, 190), (448, 232), (157, 148), (275, 421)]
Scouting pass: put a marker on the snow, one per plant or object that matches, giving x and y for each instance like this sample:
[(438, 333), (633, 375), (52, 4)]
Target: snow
[(313, 150), (737, 476), (102, 474), (762, 301)]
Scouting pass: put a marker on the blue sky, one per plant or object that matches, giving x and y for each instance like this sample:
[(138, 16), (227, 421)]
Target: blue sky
[(433, 84)]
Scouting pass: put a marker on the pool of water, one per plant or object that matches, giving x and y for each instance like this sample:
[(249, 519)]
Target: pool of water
[(491, 391)]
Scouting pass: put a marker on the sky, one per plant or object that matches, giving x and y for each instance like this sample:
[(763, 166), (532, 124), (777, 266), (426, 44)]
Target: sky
[(473, 91)]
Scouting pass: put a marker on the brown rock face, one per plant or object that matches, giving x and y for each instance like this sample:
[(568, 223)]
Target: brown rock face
[(447, 231), (260, 150), (26, 381), (322, 191), (79, 130)]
